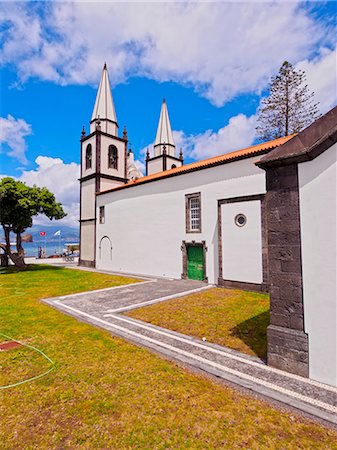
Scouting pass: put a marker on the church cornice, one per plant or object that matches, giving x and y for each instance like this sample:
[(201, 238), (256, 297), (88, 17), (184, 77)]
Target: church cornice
[(104, 176), (167, 145), (107, 120), (103, 134), (165, 156)]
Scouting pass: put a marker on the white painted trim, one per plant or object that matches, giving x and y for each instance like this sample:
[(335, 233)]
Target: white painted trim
[(228, 355), (117, 274), (223, 352), (64, 297), (156, 300)]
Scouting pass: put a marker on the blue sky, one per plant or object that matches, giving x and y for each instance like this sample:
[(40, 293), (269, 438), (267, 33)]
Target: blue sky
[(211, 61)]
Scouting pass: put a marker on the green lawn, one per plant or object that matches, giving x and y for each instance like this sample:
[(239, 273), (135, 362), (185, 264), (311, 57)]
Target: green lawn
[(236, 319), (108, 394)]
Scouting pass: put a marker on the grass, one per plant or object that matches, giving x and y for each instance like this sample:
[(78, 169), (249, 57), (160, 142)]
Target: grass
[(108, 394), (236, 319), (21, 364)]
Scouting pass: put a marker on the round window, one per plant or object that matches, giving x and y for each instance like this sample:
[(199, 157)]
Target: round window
[(240, 220)]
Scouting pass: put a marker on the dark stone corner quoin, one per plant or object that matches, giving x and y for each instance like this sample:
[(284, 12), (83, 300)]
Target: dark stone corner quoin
[(287, 341)]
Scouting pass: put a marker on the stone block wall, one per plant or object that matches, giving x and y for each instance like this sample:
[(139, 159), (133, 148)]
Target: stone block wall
[(287, 341)]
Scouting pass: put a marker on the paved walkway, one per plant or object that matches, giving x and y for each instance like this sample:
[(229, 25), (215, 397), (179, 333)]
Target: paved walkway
[(103, 308), (58, 262)]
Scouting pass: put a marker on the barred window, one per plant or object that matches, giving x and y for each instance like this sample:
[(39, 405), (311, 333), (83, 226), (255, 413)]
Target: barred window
[(193, 213), (101, 214)]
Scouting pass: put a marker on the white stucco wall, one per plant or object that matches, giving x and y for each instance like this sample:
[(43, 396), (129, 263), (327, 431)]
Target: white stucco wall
[(90, 171), (105, 142), (170, 161), (87, 241), (146, 223), (241, 246), (154, 166), (109, 184), (106, 126), (318, 213), (88, 199)]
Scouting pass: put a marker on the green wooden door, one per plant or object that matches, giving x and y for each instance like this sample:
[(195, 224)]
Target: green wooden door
[(195, 262)]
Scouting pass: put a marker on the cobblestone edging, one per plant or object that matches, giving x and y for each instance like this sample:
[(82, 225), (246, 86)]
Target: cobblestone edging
[(102, 308)]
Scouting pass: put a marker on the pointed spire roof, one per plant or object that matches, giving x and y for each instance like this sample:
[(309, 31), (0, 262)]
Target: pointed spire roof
[(104, 106), (164, 133)]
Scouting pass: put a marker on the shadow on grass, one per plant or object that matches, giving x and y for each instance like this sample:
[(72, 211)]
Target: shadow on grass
[(253, 332), (29, 268)]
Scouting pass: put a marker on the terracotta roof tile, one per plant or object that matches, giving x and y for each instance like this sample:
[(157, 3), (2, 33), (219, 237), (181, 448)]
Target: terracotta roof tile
[(205, 163)]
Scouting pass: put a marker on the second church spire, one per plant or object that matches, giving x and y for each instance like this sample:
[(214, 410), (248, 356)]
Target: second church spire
[(164, 138)]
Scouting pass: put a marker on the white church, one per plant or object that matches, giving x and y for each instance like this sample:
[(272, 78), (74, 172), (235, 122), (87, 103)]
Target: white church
[(262, 218)]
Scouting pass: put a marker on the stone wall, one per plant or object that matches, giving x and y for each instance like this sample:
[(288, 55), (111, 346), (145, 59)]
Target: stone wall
[(287, 341)]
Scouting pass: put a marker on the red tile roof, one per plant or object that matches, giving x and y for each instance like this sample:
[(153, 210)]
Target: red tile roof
[(206, 163)]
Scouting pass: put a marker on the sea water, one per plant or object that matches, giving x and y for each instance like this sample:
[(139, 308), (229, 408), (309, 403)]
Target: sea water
[(51, 248)]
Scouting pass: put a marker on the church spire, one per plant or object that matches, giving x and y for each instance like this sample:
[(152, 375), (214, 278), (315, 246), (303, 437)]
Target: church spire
[(104, 109), (164, 136)]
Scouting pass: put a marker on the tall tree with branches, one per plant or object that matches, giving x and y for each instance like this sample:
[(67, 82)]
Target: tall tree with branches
[(290, 106)]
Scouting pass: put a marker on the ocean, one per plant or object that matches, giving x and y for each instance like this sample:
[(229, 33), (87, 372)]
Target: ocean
[(52, 248)]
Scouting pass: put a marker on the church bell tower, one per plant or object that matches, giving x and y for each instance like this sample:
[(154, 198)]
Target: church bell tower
[(164, 147), (103, 165)]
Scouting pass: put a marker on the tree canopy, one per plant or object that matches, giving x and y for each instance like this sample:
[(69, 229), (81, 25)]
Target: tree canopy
[(19, 203), (290, 106)]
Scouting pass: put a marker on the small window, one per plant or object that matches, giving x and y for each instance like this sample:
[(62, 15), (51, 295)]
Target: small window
[(240, 220), (88, 157), (101, 214), (112, 157), (193, 213), (173, 166)]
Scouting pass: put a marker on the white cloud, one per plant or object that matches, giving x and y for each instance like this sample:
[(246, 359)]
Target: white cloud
[(17, 43), (62, 180), (12, 137), (322, 77), (237, 134), (222, 49)]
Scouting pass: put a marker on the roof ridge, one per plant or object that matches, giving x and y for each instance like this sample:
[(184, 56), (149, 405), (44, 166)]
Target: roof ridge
[(205, 163), (252, 147)]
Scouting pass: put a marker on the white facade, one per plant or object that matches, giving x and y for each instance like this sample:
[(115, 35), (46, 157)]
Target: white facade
[(88, 192), (241, 246), (87, 240), (103, 164), (145, 224), (318, 214), (149, 226)]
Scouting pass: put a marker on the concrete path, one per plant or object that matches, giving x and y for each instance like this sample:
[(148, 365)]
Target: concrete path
[(103, 308), (58, 262)]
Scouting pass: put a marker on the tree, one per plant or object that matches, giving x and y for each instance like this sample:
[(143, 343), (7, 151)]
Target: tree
[(19, 203), (289, 107)]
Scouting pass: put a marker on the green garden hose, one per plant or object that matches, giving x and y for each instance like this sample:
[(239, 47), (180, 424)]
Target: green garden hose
[(37, 376)]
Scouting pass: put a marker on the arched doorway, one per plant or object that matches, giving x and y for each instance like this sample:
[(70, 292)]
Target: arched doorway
[(104, 253)]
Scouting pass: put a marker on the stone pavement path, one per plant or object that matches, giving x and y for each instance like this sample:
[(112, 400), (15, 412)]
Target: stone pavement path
[(103, 308)]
